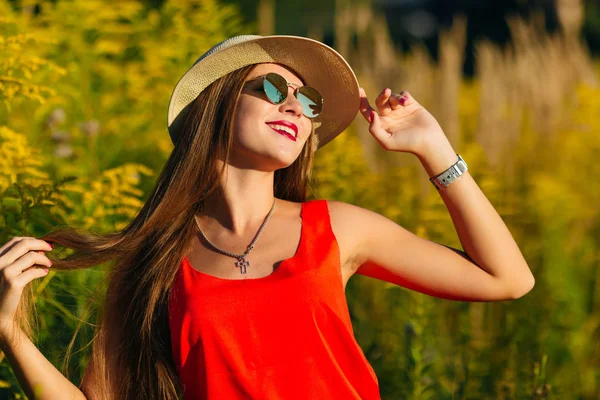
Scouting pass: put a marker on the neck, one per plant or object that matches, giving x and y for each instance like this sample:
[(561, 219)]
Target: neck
[(240, 206)]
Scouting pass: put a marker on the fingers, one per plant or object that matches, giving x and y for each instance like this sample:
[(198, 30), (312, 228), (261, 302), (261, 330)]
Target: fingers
[(23, 256), (386, 101), (364, 107), (31, 260), (398, 100), (19, 281), (372, 117), (18, 246), (10, 243), (22, 260), (382, 101)]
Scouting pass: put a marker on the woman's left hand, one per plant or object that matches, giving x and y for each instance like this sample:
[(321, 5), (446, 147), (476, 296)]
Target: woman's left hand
[(400, 123)]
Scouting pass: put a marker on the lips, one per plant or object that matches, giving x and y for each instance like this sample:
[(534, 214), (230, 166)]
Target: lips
[(286, 124), (284, 133)]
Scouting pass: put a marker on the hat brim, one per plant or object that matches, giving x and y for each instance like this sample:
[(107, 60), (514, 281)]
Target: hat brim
[(319, 66)]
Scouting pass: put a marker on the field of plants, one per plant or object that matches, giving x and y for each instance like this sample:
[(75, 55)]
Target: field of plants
[(84, 89)]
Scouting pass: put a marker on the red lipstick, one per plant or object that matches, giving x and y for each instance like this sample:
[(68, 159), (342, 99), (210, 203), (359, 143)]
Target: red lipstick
[(286, 123)]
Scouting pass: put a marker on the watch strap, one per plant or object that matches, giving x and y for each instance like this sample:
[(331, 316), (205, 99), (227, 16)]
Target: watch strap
[(444, 179)]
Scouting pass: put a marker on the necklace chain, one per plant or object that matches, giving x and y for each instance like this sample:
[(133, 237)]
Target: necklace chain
[(242, 263)]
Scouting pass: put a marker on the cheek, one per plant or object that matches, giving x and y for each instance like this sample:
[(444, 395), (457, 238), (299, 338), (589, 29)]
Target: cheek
[(243, 117), (250, 113), (308, 129), (247, 127)]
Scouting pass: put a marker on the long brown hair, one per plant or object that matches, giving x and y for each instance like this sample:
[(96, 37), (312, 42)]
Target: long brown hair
[(131, 353)]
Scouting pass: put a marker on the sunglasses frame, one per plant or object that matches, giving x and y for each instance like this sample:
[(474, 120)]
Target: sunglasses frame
[(296, 88)]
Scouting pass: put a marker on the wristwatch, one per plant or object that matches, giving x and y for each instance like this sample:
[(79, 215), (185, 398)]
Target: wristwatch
[(444, 179)]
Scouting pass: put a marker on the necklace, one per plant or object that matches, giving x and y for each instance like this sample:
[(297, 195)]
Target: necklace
[(242, 263)]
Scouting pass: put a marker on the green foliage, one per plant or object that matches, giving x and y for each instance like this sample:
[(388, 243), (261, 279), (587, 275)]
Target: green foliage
[(85, 88), (534, 347)]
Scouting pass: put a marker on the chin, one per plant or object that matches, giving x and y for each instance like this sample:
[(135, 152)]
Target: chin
[(282, 157), (282, 163), (266, 159)]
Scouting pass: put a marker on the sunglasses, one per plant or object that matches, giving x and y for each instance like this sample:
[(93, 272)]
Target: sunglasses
[(276, 89)]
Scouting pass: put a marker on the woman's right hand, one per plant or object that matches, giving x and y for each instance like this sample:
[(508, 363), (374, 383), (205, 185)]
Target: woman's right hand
[(22, 259)]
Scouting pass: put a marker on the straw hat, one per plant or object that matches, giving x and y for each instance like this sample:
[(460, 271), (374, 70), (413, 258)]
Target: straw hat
[(319, 66)]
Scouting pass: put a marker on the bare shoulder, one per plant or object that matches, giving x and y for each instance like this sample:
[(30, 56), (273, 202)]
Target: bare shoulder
[(343, 215), (352, 219), (351, 225), (347, 210), (287, 207)]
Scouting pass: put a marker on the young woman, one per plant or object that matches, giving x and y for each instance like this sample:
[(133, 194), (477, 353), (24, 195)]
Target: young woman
[(228, 284)]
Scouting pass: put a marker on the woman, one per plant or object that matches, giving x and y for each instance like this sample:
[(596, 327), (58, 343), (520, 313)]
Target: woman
[(228, 284)]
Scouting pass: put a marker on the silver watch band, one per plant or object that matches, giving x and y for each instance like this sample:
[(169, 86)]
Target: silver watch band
[(444, 179)]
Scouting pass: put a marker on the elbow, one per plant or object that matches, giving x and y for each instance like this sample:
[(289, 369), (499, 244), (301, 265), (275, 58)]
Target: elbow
[(524, 286)]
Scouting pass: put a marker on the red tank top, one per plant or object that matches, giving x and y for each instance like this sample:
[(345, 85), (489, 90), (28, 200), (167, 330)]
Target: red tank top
[(285, 336)]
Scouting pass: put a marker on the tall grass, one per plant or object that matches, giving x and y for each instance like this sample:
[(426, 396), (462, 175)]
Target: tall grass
[(85, 88), (528, 126)]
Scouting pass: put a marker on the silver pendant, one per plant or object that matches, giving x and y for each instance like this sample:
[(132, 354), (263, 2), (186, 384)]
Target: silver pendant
[(242, 264)]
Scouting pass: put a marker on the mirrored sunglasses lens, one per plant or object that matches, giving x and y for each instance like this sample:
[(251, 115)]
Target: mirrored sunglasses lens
[(275, 88), (312, 103)]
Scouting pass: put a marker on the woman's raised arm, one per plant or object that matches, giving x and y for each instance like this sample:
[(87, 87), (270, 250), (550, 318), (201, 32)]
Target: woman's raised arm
[(491, 267)]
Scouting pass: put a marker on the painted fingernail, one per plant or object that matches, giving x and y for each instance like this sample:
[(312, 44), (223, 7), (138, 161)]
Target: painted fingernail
[(402, 100), (372, 115)]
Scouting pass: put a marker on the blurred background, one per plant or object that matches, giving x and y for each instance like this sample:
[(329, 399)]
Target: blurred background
[(84, 89)]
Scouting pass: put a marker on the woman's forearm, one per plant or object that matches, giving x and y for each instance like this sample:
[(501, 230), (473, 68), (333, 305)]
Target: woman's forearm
[(37, 376), (482, 232)]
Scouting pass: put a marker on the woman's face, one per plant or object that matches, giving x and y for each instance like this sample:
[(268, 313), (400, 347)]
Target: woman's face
[(258, 141)]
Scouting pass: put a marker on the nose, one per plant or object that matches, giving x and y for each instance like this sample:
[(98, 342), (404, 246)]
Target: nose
[(291, 103)]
